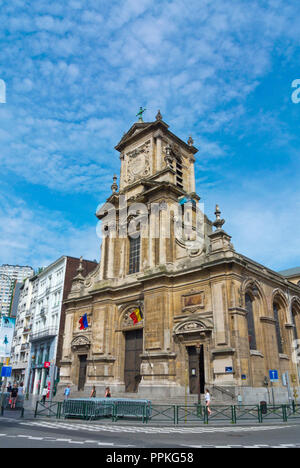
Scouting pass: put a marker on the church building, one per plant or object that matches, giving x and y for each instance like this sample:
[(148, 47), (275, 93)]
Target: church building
[(172, 308)]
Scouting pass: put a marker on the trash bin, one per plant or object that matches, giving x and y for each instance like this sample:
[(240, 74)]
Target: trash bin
[(263, 407)]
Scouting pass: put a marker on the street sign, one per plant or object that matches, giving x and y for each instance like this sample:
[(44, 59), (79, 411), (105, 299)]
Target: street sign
[(229, 370), (47, 365), (273, 374), (6, 371)]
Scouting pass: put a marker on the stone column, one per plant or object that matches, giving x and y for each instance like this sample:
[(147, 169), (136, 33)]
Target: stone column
[(192, 176), (162, 237), (104, 252), (151, 243), (122, 271), (68, 335), (218, 291), (111, 256), (159, 157)]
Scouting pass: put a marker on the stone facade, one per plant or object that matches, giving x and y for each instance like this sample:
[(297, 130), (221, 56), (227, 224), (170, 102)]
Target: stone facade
[(210, 316)]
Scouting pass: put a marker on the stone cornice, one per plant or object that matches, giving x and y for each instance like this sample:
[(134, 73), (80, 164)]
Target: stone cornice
[(227, 350), (266, 319), (131, 136)]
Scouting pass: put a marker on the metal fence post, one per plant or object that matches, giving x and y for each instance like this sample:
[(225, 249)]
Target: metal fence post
[(205, 415), (259, 414), (233, 414), (284, 413), (36, 409)]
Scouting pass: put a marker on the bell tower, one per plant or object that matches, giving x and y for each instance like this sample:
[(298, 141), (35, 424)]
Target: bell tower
[(149, 151), (157, 183)]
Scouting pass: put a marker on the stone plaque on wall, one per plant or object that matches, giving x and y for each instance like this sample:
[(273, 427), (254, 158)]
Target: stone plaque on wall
[(193, 299)]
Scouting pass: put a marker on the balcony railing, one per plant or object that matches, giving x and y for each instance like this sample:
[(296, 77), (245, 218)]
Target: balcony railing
[(25, 346), (45, 333)]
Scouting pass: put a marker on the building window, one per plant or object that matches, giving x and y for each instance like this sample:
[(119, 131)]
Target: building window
[(278, 331), (134, 255), (295, 331), (250, 322), (179, 174)]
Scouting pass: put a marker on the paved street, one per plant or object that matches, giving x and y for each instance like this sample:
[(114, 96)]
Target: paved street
[(29, 433)]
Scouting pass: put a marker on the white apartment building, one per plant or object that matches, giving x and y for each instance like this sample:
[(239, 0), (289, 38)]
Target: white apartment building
[(46, 314), (9, 275), (37, 342), (20, 351)]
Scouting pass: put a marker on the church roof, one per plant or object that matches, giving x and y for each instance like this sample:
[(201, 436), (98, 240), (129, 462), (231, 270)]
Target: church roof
[(290, 272), (138, 129)]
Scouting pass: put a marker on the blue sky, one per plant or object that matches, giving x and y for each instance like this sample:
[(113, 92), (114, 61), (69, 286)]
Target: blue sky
[(76, 73)]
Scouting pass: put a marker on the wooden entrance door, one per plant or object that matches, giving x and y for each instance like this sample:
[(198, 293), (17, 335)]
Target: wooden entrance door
[(196, 370), (133, 351), (82, 371)]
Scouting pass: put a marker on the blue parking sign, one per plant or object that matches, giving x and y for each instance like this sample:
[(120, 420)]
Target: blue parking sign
[(273, 374), (6, 371)]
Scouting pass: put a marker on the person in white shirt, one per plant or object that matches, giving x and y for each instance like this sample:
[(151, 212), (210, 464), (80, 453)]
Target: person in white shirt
[(207, 400), (44, 394)]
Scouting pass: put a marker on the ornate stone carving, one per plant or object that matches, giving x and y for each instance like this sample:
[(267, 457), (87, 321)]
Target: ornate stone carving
[(80, 342), (193, 326), (126, 320), (138, 163)]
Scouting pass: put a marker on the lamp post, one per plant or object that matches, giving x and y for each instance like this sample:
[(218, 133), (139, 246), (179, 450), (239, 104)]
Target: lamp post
[(198, 351)]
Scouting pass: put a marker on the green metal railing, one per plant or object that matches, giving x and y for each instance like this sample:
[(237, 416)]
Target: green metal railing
[(162, 413), (277, 412), (246, 413), (293, 411), (190, 414), (48, 409), (89, 409)]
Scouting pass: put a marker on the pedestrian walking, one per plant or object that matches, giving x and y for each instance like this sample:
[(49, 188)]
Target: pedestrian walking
[(44, 394), (67, 392), (9, 388), (207, 401), (93, 392), (21, 389), (107, 392), (14, 396)]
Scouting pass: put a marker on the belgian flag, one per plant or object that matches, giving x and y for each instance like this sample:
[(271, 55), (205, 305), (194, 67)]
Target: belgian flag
[(136, 316)]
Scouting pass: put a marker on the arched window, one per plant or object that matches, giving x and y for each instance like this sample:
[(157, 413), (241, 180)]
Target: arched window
[(278, 328), (250, 321), (134, 254), (296, 319), (295, 331)]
